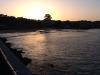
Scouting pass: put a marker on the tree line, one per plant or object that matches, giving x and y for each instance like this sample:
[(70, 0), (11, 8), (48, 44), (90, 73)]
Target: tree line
[(11, 22)]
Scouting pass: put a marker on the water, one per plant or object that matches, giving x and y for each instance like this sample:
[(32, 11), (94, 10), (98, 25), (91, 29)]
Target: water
[(60, 52)]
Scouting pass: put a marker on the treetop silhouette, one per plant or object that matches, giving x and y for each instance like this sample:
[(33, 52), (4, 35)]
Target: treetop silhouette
[(47, 17)]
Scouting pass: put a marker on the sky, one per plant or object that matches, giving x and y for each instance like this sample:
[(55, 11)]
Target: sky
[(58, 9)]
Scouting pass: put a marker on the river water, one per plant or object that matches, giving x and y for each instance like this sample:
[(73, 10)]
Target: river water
[(59, 52)]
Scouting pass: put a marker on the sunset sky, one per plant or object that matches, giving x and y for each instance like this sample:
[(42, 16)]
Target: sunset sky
[(59, 9)]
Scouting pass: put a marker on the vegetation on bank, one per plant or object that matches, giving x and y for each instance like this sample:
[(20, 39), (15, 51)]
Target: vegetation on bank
[(11, 22)]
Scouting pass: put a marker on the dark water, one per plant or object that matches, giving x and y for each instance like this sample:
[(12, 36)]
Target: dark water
[(65, 52)]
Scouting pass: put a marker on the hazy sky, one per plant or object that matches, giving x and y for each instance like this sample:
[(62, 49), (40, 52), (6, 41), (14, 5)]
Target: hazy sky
[(59, 9)]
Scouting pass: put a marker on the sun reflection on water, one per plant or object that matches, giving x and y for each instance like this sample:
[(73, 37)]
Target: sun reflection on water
[(36, 44)]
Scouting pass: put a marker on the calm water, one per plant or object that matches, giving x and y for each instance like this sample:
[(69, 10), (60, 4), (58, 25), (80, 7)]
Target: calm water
[(65, 52)]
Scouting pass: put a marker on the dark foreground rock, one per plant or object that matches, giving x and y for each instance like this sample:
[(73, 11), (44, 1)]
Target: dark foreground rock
[(4, 68)]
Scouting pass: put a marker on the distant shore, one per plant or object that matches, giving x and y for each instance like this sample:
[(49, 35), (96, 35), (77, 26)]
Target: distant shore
[(13, 30), (20, 23)]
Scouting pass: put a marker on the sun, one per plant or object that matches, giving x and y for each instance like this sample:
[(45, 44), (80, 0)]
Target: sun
[(36, 11), (37, 14)]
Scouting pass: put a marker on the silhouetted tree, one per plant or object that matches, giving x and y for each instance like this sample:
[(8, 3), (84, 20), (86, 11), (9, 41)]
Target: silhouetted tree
[(47, 17)]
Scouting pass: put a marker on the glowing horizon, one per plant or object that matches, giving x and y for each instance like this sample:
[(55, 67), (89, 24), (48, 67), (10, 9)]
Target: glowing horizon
[(58, 9)]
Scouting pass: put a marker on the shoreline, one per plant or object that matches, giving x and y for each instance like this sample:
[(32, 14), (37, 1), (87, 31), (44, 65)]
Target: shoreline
[(32, 30), (17, 53)]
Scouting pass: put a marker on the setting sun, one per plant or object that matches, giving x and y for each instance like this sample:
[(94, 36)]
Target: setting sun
[(36, 10), (36, 13)]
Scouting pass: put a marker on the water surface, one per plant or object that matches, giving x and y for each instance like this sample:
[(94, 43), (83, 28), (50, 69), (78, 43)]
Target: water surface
[(60, 52)]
